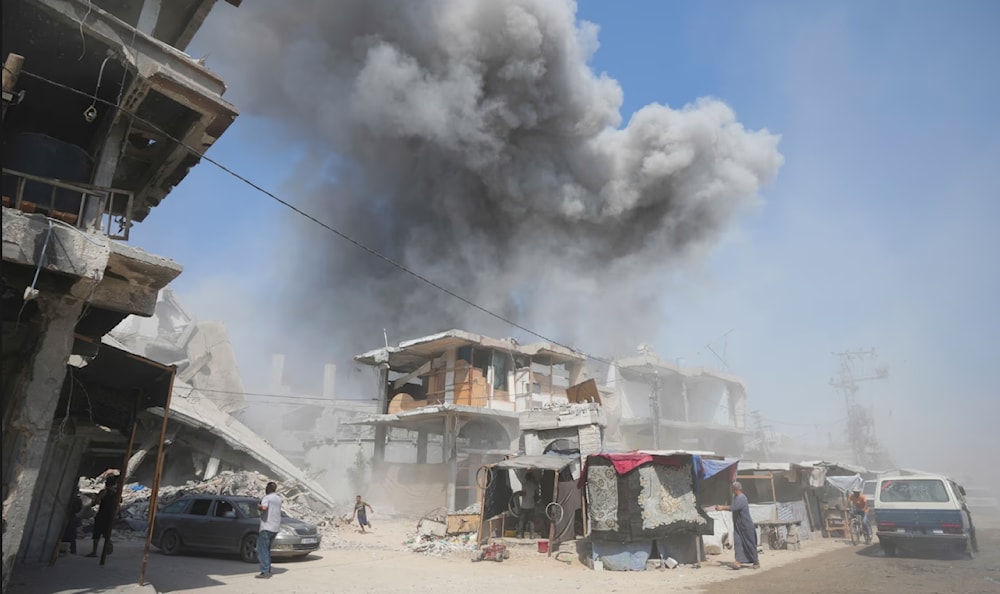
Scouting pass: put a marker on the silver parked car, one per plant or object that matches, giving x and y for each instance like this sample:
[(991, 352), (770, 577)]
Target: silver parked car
[(224, 524)]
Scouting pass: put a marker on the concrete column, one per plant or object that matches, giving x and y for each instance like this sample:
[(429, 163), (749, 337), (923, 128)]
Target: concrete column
[(451, 457), (104, 171), (687, 403), (449, 377), (148, 16), (56, 480), (35, 397), (329, 381), (421, 447), (278, 373), (212, 467), (381, 431)]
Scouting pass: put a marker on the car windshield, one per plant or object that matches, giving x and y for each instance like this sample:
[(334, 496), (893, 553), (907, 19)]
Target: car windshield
[(914, 490)]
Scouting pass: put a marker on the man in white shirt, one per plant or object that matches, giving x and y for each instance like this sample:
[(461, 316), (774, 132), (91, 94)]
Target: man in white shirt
[(270, 523)]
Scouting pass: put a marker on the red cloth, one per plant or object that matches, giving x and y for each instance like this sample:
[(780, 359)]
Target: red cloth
[(625, 463)]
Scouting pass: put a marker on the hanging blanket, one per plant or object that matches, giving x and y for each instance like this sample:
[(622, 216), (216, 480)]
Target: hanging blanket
[(666, 496), (602, 498)]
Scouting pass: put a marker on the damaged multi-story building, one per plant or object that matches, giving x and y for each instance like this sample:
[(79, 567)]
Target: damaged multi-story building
[(460, 395), (656, 404), (466, 401), (103, 115)]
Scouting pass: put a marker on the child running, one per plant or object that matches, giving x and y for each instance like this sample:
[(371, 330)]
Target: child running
[(359, 511)]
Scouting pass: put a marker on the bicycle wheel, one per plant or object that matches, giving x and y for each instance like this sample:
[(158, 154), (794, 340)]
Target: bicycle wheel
[(855, 531)]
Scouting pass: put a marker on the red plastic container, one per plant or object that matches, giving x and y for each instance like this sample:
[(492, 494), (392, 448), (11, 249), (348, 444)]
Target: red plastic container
[(543, 546)]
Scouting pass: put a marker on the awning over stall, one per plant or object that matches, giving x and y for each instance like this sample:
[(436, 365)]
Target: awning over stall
[(543, 462)]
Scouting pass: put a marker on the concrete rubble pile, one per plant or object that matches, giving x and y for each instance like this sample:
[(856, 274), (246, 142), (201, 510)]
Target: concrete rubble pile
[(430, 536), (134, 510)]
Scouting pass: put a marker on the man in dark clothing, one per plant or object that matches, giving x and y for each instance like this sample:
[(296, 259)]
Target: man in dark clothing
[(744, 531), (72, 520), (107, 499), (526, 507)]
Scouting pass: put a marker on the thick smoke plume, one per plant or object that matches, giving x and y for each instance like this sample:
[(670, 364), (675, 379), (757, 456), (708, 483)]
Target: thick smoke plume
[(471, 141)]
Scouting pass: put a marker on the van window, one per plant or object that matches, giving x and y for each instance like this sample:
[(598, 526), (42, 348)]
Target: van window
[(914, 490)]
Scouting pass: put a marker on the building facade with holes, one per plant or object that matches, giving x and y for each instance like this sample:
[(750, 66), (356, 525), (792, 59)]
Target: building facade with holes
[(461, 396), (653, 404), (103, 114)]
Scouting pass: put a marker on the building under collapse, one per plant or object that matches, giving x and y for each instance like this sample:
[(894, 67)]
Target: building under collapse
[(103, 114), (655, 404)]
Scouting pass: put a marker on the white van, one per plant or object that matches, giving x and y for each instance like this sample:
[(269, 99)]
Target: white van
[(923, 509)]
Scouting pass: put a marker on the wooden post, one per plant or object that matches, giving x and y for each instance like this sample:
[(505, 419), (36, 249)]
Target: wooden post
[(156, 477), (106, 549), (11, 70)]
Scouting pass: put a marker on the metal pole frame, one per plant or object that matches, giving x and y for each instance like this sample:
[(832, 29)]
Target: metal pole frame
[(552, 524), (154, 496), (105, 550)]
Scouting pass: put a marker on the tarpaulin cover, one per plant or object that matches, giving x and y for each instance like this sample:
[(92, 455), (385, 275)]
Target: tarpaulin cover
[(707, 467), (569, 500), (497, 494), (550, 461), (623, 556), (846, 484), (625, 463)]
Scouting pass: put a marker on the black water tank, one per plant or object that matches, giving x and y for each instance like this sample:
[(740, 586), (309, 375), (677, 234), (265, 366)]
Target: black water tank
[(44, 156)]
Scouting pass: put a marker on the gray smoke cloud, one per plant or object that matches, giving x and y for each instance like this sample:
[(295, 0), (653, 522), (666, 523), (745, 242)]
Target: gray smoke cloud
[(471, 141)]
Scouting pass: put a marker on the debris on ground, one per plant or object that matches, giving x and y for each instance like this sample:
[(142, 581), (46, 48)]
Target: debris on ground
[(440, 546), (431, 536)]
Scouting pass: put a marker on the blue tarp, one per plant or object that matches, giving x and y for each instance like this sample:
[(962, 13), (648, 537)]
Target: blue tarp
[(623, 556), (707, 468)]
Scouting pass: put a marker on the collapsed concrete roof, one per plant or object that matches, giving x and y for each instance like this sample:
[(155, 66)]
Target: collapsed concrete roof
[(192, 408), (647, 363), (197, 410), (411, 354)]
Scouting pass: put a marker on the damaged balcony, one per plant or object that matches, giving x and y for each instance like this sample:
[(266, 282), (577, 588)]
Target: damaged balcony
[(79, 137)]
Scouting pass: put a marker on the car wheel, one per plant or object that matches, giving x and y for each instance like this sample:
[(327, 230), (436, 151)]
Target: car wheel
[(248, 548), (170, 543)]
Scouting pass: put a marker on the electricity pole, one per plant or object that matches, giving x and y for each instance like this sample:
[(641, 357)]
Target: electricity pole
[(864, 444)]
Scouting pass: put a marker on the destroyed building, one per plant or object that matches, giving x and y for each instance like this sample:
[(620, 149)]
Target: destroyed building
[(461, 395), (204, 433), (656, 404), (103, 115)]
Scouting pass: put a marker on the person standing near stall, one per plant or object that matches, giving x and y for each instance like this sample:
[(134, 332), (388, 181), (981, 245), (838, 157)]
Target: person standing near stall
[(744, 531)]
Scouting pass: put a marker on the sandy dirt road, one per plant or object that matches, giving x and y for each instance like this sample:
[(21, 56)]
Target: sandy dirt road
[(376, 563), (865, 569)]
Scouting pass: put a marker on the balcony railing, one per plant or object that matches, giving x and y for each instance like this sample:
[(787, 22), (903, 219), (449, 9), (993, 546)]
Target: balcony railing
[(81, 205)]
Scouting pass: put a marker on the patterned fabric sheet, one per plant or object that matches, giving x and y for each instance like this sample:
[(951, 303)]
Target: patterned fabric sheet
[(602, 497), (667, 496)]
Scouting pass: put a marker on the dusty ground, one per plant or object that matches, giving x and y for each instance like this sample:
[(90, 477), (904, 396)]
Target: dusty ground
[(372, 562), (865, 569)]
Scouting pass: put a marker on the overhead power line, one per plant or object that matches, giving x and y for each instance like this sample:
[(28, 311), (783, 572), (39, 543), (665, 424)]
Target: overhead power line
[(372, 251)]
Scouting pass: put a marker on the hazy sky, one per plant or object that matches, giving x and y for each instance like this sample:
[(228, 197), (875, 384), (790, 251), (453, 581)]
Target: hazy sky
[(878, 231)]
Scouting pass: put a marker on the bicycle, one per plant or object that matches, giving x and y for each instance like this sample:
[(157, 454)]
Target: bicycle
[(857, 529)]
